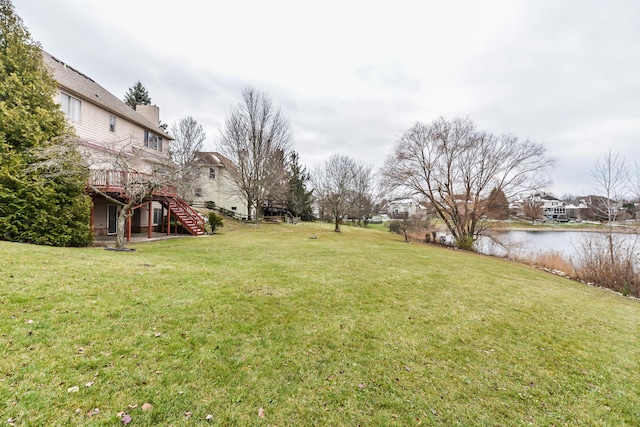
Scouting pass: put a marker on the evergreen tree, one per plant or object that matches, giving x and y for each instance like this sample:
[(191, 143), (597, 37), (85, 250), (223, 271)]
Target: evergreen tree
[(137, 95), (35, 207), (300, 199), (497, 205)]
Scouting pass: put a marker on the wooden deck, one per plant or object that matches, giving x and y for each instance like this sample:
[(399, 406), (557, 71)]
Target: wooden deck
[(121, 182)]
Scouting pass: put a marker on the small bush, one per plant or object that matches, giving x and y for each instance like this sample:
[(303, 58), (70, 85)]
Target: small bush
[(215, 221), (395, 226)]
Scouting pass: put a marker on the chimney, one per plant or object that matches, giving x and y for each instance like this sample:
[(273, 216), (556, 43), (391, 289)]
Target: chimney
[(150, 112)]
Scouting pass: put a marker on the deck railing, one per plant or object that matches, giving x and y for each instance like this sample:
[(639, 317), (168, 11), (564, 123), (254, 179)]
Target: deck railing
[(117, 181)]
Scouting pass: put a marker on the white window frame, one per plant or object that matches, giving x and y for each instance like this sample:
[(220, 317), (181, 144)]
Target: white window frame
[(153, 141), (71, 106)]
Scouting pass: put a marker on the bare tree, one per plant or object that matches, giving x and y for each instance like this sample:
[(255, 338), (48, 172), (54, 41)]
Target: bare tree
[(610, 180), (532, 209), (341, 185), (455, 166), (189, 137), (256, 138), (121, 173), (363, 193)]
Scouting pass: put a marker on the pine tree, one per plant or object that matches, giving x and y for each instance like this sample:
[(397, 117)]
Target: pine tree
[(497, 205), (34, 207), (300, 199), (137, 95)]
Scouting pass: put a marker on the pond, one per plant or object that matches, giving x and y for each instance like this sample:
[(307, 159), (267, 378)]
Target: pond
[(523, 243), (531, 242)]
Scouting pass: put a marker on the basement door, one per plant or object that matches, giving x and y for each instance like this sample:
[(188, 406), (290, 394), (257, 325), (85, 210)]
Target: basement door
[(112, 219)]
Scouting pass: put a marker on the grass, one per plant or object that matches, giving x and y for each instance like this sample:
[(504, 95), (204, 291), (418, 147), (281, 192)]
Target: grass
[(351, 328)]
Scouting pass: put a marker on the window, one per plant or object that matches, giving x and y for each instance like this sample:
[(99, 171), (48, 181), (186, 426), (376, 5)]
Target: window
[(198, 192), (112, 123), (152, 141), (157, 216), (70, 106), (212, 173), (233, 208)]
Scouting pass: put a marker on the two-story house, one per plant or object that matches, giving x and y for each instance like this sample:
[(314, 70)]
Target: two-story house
[(552, 207), (112, 134)]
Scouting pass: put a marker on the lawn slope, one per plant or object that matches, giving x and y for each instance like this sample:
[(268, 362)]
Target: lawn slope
[(351, 328)]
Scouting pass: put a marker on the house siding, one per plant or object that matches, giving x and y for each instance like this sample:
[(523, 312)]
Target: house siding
[(220, 191)]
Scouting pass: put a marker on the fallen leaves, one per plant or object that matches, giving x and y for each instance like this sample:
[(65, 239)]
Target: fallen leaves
[(73, 389), (147, 406), (92, 412), (261, 413)]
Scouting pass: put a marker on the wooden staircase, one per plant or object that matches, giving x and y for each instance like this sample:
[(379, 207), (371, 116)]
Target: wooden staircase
[(185, 214)]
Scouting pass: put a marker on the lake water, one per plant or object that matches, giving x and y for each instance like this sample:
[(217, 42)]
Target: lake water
[(520, 242)]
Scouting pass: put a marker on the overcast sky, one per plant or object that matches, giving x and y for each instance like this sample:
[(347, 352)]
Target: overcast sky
[(352, 76)]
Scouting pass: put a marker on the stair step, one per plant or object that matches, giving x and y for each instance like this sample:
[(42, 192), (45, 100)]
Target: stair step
[(187, 216)]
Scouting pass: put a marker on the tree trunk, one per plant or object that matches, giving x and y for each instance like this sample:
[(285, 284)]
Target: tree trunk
[(122, 221), (337, 228), (125, 212)]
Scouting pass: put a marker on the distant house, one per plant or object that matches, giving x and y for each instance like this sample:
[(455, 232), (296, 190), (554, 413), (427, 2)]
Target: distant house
[(552, 208), (577, 210), (406, 208), (400, 208), (215, 185), (106, 125), (593, 208)]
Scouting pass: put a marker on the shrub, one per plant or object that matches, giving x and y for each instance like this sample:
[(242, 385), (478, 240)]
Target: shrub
[(395, 226), (609, 261), (215, 221)]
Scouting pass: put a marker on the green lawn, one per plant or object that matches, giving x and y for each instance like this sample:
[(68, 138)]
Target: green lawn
[(351, 328)]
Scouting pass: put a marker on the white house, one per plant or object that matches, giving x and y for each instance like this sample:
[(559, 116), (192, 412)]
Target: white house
[(216, 184), (552, 208)]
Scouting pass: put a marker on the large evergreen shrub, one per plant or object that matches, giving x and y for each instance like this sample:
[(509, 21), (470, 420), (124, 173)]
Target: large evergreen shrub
[(35, 206)]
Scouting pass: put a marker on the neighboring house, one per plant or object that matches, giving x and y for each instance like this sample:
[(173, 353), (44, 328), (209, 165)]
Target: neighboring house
[(552, 208), (577, 210), (216, 184), (107, 127), (594, 208), (407, 208)]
